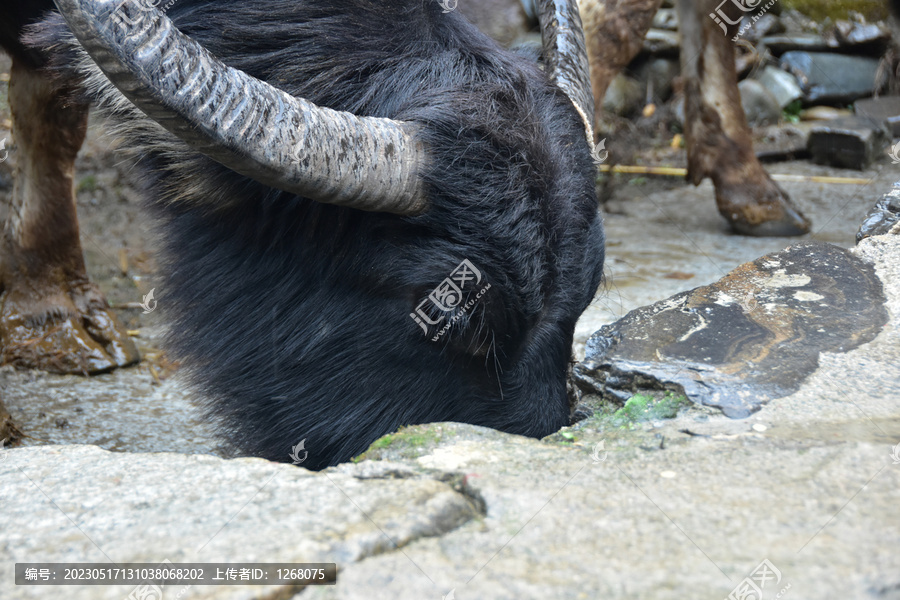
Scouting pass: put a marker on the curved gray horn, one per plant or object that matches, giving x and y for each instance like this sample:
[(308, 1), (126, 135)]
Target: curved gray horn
[(565, 54), (244, 123)]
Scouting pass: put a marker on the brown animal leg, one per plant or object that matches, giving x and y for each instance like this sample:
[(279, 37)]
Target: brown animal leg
[(51, 316), (719, 142), (615, 31)]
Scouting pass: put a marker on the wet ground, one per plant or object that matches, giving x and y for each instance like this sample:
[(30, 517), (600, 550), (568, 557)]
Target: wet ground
[(663, 237)]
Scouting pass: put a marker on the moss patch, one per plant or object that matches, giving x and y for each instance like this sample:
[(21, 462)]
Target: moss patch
[(640, 408), (819, 10), (406, 442)]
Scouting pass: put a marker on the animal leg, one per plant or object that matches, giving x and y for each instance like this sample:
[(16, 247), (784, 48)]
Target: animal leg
[(719, 142), (51, 316), (615, 31)]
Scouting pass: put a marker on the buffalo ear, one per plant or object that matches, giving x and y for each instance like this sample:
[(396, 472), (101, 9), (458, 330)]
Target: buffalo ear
[(565, 54)]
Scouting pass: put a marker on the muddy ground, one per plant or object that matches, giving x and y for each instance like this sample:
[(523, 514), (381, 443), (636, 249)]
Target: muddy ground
[(664, 236)]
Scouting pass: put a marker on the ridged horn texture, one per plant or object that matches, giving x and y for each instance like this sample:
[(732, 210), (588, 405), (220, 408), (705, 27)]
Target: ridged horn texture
[(565, 54), (246, 124)]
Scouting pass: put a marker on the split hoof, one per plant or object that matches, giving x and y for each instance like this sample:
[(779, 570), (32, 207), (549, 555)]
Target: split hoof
[(73, 332), (791, 223), (760, 210)]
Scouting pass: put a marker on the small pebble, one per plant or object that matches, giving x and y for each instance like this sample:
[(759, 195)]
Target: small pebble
[(759, 427), (667, 474)]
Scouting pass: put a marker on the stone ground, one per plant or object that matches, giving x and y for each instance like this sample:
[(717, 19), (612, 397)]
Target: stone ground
[(685, 507)]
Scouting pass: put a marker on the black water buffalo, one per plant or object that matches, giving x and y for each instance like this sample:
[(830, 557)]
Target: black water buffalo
[(373, 216)]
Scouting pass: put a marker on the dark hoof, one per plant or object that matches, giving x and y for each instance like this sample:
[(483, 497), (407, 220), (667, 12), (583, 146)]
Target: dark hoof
[(72, 332), (792, 223), (762, 210)]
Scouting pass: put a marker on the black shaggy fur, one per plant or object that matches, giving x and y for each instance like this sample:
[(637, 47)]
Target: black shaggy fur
[(294, 317)]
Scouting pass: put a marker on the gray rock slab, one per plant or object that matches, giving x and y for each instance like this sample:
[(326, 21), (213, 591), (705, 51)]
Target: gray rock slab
[(84, 504), (673, 517), (847, 143), (828, 77), (779, 44), (859, 37), (781, 84), (745, 340)]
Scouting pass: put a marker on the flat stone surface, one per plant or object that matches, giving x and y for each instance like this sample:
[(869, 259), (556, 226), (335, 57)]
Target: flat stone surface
[(745, 340), (779, 44), (859, 36), (640, 521), (827, 77), (83, 504), (847, 143)]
